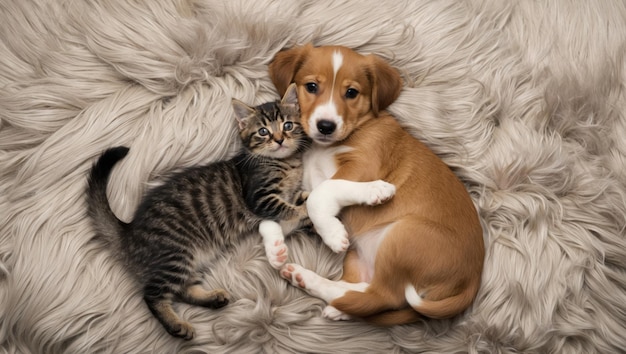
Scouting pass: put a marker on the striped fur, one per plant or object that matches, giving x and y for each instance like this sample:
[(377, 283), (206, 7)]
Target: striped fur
[(205, 208)]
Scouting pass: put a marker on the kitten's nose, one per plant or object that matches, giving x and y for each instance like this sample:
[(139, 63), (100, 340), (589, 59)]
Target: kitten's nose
[(278, 138), (326, 127)]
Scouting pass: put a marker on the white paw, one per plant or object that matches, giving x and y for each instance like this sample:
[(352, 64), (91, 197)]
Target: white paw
[(335, 236), (274, 242), (332, 313), (276, 252), (378, 192), (296, 274)]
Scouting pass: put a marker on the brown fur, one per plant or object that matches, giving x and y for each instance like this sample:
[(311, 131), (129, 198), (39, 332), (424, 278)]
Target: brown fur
[(436, 241)]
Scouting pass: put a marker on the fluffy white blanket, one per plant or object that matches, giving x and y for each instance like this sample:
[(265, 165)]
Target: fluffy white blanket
[(525, 100)]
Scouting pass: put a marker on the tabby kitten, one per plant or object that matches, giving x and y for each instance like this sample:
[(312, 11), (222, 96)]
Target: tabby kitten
[(204, 209)]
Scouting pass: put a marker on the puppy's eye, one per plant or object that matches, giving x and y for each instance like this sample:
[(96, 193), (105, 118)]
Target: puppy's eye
[(351, 93), (263, 131), (311, 87), (287, 126)]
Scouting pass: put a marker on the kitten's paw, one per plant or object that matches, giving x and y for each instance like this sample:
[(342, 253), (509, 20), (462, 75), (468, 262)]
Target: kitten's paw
[(302, 212), (332, 313), (276, 253), (220, 299), (182, 330), (213, 299), (379, 192), (304, 195), (274, 242)]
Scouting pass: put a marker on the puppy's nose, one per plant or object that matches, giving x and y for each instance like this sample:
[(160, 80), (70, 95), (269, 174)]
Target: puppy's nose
[(326, 127)]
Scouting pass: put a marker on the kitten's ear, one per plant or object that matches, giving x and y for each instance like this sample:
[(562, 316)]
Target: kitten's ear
[(291, 96), (242, 113)]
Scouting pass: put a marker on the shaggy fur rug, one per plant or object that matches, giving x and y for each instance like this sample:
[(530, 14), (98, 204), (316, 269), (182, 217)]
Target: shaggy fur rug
[(525, 100)]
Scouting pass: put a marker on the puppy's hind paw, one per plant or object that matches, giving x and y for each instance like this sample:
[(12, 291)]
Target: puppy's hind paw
[(293, 273), (332, 313)]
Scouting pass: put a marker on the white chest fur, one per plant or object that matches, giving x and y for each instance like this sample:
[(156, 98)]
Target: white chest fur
[(319, 165), (328, 196)]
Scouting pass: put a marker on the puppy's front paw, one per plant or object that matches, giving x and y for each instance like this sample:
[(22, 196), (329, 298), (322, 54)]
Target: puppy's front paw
[(379, 192), (335, 237), (332, 313), (338, 244)]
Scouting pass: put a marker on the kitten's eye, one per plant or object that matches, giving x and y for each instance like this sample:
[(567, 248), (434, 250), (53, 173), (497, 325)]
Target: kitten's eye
[(263, 131), (311, 87), (287, 126), (352, 93)]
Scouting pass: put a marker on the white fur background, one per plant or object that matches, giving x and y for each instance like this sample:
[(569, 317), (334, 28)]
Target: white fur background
[(525, 100)]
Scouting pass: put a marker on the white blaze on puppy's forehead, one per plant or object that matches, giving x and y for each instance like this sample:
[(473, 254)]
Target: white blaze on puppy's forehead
[(337, 62)]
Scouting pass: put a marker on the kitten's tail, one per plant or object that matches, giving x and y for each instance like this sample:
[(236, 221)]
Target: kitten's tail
[(106, 224)]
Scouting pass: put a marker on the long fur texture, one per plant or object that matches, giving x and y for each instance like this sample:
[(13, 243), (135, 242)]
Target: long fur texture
[(524, 100)]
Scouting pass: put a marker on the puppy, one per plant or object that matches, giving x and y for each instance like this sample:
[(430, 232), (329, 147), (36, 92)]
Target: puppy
[(415, 247)]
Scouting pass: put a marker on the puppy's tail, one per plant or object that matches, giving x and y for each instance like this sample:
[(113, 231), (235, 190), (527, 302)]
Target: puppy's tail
[(443, 308), (376, 309), (107, 226)]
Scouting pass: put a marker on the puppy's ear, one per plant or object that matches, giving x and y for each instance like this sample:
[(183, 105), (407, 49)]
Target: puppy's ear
[(285, 64), (386, 83)]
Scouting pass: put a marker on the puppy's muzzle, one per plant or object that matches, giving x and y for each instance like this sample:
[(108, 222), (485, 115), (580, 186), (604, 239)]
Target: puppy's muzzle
[(326, 127)]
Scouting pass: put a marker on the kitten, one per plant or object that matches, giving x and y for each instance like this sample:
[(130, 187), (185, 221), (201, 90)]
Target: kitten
[(207, 208)]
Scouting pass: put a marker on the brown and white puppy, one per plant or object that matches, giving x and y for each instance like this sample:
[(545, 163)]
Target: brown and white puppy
[(416, 241)]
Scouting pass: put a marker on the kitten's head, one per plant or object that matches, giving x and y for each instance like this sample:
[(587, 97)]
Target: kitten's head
[(272, 129)]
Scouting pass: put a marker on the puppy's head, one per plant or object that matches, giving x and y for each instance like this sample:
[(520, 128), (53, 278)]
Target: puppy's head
[(338, 89)]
